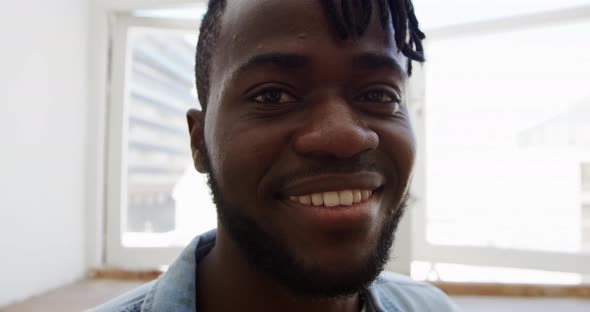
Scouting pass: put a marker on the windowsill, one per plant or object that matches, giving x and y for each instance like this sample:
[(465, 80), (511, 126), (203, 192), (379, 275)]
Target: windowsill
[(514, 290), (125, 275), (453, 289)]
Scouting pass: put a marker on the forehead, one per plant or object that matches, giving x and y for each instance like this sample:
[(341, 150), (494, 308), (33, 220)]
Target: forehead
[(296, 26), (251, 19)]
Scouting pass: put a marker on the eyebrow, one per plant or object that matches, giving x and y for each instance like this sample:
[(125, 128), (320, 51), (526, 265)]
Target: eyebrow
[(286, 60), (365, 61), (373, 61)]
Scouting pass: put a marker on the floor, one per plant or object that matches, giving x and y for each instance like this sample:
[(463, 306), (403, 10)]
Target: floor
[(75, 298), (89, 293)]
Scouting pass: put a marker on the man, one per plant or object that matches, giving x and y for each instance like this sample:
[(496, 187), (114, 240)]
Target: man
[(305, 137)]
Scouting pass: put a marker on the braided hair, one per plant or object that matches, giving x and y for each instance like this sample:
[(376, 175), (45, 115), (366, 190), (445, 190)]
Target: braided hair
[(353, 20)]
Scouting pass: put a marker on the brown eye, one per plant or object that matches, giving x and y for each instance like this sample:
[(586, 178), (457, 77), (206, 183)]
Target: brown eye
[(380, 101), (378, 96), (273, 96)]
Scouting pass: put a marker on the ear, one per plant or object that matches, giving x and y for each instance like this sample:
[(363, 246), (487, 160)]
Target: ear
[(195, 120)]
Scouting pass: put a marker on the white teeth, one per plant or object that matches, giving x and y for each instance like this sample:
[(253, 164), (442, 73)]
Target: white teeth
[(346, 198), (356, 196), (332, 199), (365, 194), (306, 200), (317, 199)]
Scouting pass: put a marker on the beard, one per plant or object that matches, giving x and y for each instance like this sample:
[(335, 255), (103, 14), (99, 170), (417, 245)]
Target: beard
[(270, 254)]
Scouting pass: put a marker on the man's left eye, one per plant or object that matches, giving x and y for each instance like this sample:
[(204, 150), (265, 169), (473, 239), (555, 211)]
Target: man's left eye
[(378, 96), (273, 96)]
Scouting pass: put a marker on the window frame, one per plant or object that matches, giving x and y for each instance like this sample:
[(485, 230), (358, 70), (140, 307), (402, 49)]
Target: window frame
[(422, 250), (116, 254)]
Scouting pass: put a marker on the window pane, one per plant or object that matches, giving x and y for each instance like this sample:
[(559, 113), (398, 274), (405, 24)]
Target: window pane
[(507, 122), (167, 201), (586, 175), (437, 13), (193, 12)]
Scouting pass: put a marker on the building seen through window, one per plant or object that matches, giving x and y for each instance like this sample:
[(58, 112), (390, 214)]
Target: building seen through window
[(167, 201)]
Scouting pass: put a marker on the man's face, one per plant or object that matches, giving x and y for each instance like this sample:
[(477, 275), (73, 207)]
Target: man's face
[(295, 112)]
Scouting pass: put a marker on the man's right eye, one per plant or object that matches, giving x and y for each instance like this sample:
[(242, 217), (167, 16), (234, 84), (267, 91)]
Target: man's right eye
[(273, 96)]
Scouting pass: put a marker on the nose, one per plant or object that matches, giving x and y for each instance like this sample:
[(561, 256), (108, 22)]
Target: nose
[(334, 129)]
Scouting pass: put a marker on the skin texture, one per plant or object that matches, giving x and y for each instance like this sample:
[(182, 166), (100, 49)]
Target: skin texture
[(323, 120)]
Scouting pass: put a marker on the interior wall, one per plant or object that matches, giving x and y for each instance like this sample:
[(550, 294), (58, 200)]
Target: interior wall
[(43, 115)]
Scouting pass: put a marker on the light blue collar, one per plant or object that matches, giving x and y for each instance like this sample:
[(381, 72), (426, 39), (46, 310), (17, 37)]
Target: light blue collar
[(176, 289)]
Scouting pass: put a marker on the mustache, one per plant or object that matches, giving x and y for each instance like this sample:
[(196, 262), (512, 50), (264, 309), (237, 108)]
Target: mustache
[(347, 166)]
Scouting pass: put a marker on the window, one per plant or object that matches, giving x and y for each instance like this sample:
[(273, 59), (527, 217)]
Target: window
[(585, 183), (505, 139), (157, 201), (163, 189)]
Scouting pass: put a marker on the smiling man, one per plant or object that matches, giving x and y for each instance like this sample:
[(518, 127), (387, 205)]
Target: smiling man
[(306, 140)]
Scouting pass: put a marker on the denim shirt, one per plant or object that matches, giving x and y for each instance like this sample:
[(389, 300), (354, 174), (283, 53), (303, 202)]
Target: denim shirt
[(175, 290)]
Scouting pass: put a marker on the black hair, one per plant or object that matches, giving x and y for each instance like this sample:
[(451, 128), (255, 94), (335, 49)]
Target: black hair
[(354, 21)]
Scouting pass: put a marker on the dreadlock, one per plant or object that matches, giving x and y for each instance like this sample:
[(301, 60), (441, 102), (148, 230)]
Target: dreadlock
[(353, 20)]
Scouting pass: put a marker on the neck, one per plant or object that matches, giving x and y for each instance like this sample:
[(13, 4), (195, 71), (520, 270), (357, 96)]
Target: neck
[(225, 280)]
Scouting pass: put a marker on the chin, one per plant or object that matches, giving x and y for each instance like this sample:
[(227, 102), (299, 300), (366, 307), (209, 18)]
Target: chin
[(337, 280), (327, 275)]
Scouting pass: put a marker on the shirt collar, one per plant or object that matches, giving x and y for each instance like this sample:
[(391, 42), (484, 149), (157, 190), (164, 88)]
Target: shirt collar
[(176, 289)]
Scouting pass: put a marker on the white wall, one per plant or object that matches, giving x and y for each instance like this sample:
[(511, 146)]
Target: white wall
[(43, 114)]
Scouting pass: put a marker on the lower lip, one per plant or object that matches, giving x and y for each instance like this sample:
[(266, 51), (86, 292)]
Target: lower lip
[(335, 217)]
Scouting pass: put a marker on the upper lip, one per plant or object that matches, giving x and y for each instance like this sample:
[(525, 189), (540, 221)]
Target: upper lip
[(364, 180)]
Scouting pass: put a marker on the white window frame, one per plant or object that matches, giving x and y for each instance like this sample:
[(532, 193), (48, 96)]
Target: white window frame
[(109, 20), (117, 254), (421, 249)]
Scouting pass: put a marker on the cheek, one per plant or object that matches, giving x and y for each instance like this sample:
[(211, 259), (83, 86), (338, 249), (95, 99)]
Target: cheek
[(245, 154), (399, 145)]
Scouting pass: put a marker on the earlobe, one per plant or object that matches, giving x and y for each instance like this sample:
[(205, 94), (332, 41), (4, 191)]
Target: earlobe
[(199, 162), (195, 119)]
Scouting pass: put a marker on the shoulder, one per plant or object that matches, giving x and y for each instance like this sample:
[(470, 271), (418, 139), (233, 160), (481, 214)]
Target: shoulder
[(172, 291), (129, 302), (394, 292)]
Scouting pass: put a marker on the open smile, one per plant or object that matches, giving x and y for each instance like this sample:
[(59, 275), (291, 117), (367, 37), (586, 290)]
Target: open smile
[(329, 216), (335, 201)]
